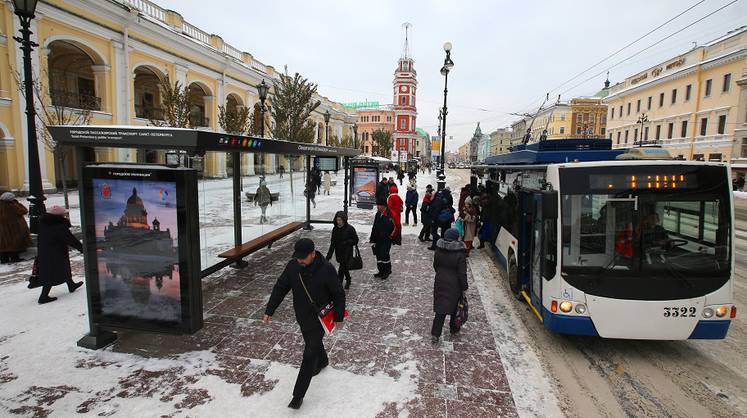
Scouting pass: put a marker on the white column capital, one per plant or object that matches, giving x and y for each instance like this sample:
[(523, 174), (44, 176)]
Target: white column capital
[(97, 69)]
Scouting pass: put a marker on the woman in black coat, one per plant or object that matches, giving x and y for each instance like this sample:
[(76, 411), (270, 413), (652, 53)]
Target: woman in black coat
[(53, 261), (344, 237), (450, 263)]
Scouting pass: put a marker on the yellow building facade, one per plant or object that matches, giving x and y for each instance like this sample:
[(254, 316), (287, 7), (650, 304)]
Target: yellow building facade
[(108, 57), (694, 104)]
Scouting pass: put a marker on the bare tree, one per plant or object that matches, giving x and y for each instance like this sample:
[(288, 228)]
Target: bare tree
[(52, 111), (382, 143)]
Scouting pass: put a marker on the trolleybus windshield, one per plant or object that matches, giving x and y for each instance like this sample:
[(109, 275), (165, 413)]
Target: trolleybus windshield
[(626, 237)]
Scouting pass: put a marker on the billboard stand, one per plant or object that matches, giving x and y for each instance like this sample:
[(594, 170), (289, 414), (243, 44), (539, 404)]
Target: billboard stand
[(363, 184)]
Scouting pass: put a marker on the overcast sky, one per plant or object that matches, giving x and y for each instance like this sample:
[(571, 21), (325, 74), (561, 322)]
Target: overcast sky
[(507, 54)]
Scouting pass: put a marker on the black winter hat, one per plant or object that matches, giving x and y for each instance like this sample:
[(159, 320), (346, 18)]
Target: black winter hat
[(303, 248)]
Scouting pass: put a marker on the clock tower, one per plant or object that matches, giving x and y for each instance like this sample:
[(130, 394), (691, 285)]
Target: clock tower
[(405, 111)]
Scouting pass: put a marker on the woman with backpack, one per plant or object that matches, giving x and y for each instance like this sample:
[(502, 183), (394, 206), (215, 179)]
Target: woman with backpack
[(263, 197), (344, 238), (450, 264)]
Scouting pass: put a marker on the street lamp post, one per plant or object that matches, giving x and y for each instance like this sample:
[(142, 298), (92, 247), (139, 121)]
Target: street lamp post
[(641, 120), (25, 9), (262, 89), (355, 135), (448, 65), (326, 127), (440, 113)]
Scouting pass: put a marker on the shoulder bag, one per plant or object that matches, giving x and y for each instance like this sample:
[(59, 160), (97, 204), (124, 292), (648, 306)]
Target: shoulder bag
[(325, 315), (355, 262)]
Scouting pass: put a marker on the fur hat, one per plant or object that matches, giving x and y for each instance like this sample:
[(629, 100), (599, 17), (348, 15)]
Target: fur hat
[(7, 197), (57, 210), (451, 234)]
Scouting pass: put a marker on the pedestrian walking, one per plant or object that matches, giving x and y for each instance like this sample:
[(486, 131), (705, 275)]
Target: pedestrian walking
[(395, 205), (314, 284), (15, 237), (53, 259), (344, 237), (400, 175), (434, 209), (411, 205), (263, 198), (317, 180), (310, 191), (470, 223), (446, 213), (327, 182), (382, 191), (381, 238), (450, 264), (281, 171), (425, 219)]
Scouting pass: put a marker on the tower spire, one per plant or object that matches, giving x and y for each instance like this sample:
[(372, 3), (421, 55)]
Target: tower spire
[(406, 39)]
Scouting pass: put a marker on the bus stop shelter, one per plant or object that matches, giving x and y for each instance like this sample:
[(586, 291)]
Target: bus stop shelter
[(187, 148)]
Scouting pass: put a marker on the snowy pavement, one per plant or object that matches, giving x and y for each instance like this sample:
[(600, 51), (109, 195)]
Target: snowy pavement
[(382, 363)]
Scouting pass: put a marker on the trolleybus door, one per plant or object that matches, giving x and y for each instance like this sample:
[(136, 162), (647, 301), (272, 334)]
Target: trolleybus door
[(539, 210)]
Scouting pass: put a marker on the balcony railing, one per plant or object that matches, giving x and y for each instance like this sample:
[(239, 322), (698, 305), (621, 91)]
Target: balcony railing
[(148, 112), (196, 33), (75, 100), (148, 8)]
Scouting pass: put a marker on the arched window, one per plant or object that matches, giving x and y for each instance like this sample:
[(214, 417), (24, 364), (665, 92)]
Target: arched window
[(148, 94), (72, 82)]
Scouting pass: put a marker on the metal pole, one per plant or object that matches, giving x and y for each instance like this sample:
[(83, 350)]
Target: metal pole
[(442, 175), (36, 193), (237, 206), (308, 193), (346, 163)]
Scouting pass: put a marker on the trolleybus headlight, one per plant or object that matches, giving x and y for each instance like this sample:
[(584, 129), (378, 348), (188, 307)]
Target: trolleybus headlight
[(707, 313), (581, 309), (566, 306), (721, 311)]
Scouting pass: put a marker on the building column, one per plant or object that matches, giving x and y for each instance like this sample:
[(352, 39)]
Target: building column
[(101, 85)]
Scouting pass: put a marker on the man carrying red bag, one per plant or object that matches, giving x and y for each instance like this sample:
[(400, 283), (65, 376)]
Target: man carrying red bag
[(314, 283)]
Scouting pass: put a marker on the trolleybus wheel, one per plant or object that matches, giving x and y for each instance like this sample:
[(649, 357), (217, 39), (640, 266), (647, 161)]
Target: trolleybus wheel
[(513, 278)]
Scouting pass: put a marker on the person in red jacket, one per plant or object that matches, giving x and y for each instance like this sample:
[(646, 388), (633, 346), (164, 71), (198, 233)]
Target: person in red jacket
[(395, 204)]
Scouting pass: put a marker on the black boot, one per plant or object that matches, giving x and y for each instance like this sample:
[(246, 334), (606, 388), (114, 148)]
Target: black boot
[(74, 286), (295, 403), (347, 284), (46, 299)]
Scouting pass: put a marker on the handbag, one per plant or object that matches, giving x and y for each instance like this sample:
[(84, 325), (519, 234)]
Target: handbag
[(325, 315), (34, 281), (355, 262), (462, 312)]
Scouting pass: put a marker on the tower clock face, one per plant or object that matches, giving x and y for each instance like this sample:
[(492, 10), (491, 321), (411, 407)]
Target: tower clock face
[(403, 89)]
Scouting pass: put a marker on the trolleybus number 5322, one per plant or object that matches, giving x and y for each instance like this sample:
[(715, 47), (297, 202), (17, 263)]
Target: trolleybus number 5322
[(681, 312)]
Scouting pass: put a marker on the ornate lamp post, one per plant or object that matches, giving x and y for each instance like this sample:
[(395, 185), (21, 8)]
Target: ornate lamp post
[(641, 120), (355, 135), (448, 65), (262, 89), (440, 113), (25, 9), (326, 127)]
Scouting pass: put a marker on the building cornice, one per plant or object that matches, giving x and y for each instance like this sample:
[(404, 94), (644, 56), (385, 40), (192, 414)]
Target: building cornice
[(704, 65)]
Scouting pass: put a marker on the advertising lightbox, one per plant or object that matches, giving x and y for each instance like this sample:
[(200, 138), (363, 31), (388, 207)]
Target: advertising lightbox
[(364, 182), (143, 266)]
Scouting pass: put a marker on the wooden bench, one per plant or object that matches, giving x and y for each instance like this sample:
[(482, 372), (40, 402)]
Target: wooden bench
[(262, 241), (273, 196)]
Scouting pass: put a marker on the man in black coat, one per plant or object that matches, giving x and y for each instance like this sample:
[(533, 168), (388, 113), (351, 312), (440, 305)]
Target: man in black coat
[(381, 238), (437, 203), (344, 237), (314, 284), (382, 191)]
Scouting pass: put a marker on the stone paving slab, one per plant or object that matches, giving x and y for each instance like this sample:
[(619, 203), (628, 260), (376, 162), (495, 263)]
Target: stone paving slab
[(387, 334)]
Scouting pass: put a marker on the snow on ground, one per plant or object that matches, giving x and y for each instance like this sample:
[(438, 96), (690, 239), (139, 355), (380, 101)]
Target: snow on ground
[(533, 392)]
